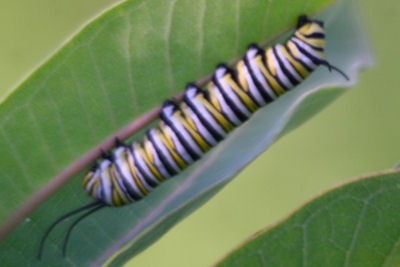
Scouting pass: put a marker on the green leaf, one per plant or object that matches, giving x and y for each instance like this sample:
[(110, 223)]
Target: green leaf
[(121, 65), (352, 225), (147, 50)]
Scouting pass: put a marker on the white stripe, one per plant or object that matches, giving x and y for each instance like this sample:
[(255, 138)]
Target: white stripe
[(132, 161), (142, 163), (120, 183), (186, 135), (201, 128), (179, 147), (156, 160), (282, 77), (159, 144), (169, 115), (226, 109), (252, 87), (105, 181), (287, 63), (303, 58), (141, 178), (205, 114), (220, 73), (250, 55), (92, 179), (126, 174), (305, 47), (121, 172), (209, 117)]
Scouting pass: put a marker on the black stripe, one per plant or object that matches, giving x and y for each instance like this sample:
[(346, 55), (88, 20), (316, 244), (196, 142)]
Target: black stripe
[(277, 79), (235, 77), (149, 164), (132, 193), (303, 64), (315, 35), (203, 120), (123, 188), (199, 132), (242, 117), (230, 105), (295, 59), (286, 72), (181, 138), (90, 189), (112, 195), (314, 59), (139, 168), (267, 98), (113, 186), (163, 159), (321, 49), (206, 95)]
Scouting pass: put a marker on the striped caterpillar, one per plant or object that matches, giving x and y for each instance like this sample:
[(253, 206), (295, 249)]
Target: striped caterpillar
[(189, 129)]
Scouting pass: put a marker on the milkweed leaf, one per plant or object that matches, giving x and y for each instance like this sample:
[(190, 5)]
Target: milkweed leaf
[(122, 64), (355, 224)]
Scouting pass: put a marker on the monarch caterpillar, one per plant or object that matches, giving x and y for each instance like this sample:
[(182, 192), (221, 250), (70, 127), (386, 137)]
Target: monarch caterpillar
[(188, 130)]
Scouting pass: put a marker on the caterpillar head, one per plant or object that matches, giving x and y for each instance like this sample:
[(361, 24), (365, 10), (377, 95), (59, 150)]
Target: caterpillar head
[(312, 33), (304, 20), (307, 26)]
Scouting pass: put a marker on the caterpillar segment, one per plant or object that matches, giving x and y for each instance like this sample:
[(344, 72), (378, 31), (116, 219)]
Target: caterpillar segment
[(189, 129)]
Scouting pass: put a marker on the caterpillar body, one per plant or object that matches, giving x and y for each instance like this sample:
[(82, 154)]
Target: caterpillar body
[(188, 130)]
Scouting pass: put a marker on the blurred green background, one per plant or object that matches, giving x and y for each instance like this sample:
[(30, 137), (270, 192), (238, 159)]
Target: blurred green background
[(357, 134)]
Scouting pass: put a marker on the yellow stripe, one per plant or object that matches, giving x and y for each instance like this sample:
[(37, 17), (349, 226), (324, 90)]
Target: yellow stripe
[(275, 86), (311, 41), (187, 116), (149, 163), (117, 188), (213, 97), (86, 178), (217, 115), (164, 137), (124, 159), (270, 62), (293, 49), (199, 140), (310, 28), (303, 71), (94, 189), (132, 169), (115, 199), (242, 76), (243, 96), (147, 149)]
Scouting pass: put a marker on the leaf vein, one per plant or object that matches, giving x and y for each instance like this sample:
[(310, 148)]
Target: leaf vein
[(102, 87), (129, 67), (83, 106), (167, 45), (15, 155)]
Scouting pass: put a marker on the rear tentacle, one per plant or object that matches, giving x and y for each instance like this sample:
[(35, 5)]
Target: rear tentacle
[(60, 219), (76, 222)]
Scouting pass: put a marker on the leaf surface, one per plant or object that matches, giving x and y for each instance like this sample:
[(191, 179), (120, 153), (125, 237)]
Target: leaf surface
[(353, 225), (147, 50)]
